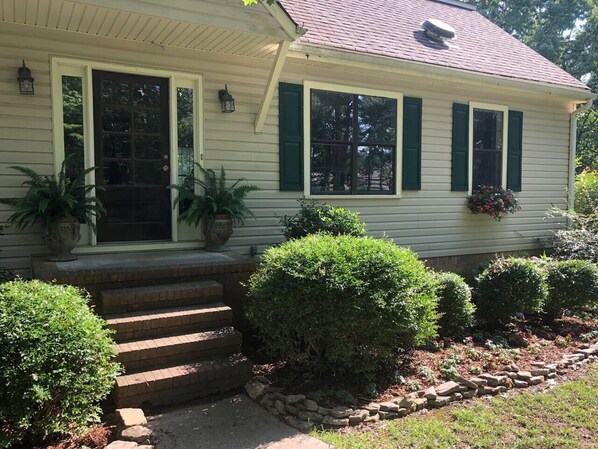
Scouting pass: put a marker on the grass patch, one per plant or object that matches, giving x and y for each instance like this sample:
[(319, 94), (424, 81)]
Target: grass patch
[(564, 417)]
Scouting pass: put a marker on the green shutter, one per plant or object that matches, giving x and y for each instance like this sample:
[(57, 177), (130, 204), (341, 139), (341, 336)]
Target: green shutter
[(290, 100), (515, 151), (460, 153), (412, 143)]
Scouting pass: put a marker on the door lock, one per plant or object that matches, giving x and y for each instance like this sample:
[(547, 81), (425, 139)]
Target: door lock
[(165, 168)]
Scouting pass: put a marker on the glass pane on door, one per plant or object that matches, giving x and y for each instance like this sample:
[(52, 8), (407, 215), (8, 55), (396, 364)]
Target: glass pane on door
[(131, 119)]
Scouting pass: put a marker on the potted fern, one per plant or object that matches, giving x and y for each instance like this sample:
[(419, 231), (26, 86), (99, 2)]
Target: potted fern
[(60, 203), (218, 208)]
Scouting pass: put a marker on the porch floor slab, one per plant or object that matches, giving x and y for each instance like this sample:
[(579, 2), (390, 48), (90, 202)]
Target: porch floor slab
[(231, 423), (145, 259), (147, 265)]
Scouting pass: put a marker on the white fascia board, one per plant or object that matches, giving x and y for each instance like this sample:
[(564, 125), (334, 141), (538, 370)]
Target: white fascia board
[(387, 64), (278, 13)]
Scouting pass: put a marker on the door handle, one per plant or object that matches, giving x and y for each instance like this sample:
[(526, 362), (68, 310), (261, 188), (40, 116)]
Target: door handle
[(165, 168)]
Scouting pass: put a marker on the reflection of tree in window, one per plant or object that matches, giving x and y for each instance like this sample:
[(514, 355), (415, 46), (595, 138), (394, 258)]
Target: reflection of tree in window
[(353, 142), (185, 137), (185, 131), (72, 106), (487, 147)]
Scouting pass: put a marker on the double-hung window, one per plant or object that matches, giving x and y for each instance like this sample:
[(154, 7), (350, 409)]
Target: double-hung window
[(489, 152), (353, 141)]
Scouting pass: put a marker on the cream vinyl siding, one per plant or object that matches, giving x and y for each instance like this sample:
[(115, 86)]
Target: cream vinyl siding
[(433, 221)]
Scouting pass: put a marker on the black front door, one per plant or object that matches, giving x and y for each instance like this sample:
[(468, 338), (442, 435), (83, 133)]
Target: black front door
[(132, 151)]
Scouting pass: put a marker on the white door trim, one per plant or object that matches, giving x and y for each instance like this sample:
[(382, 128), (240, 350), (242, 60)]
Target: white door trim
[(61, 66)]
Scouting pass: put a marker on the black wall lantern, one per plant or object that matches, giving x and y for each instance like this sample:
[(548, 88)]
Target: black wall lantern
[(25, 80), (226, 100)]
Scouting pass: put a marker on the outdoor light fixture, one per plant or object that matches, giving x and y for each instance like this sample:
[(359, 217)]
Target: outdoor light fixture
[(226, 100), (25, 80)]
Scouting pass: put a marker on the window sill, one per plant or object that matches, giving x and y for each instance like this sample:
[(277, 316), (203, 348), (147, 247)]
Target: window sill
[(308, 196)]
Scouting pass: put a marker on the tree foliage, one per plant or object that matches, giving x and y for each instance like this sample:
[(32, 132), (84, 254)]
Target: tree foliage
[(563, 31), (566, 33)]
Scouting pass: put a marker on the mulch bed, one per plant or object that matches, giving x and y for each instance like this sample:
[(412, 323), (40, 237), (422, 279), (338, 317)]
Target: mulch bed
[(481, 352)]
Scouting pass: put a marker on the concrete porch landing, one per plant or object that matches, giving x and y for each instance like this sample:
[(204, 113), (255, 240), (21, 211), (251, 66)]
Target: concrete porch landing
[(145, 259), (97, 272), (231, 423), (148, 261)]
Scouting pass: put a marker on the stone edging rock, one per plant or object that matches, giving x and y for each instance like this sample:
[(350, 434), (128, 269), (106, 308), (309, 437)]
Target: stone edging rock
[(303, 414), (132, 430)]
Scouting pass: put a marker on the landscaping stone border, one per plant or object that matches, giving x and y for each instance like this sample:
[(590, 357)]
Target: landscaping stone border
[(132, 431), (304, 414)]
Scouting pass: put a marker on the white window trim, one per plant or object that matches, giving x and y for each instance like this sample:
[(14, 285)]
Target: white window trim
[(505, 138), (307, 88), (61, 66)]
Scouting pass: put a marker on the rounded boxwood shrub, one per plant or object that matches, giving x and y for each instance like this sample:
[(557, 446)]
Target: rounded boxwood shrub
[(56, 362), (572, 285), (342, 304), (455, 308), (314, 217), (509, 286)]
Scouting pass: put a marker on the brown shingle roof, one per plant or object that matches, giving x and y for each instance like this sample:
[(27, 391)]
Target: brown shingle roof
[(392, 28)]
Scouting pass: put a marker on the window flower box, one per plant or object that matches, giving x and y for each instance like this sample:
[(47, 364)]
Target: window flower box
[(492, 200)]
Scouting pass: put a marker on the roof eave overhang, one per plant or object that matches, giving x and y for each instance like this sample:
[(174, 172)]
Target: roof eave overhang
[(383, 63), (292, 29)]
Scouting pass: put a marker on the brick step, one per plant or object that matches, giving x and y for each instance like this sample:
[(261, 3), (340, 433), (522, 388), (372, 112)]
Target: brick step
[(157, 296), (167, 322), (169, 351), (183, 382)]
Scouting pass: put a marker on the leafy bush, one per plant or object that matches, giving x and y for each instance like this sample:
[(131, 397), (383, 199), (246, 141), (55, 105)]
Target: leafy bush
[(6, 274), (454, 305), (509, 287), (55, 363), (580, 240), (572, 285), (314, 217), (586, 192), (342, 304)]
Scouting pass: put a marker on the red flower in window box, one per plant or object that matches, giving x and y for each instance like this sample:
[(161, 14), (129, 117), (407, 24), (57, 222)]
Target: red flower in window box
[(492, 200)]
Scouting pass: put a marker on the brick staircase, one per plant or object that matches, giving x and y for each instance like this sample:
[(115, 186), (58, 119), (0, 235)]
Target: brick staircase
[(175, 342), (170, 312)]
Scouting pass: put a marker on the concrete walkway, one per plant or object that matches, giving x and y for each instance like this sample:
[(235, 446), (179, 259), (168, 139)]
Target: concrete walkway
[(232, 423)]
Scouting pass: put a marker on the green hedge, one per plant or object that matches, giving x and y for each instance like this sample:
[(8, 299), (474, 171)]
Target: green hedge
[(314, 218), (56, 362), (455, 308), (508, 287), (572, 285), (342, 304)]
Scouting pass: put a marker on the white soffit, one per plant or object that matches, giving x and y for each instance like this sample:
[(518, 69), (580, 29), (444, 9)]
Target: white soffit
[(119, 23)]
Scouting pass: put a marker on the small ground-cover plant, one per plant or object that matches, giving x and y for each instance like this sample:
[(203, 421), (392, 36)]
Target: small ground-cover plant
[(342, 304), (572, 285), (314, 217), (492, 200), (456, 311), (449, 367), (56, 362), (507, 288)]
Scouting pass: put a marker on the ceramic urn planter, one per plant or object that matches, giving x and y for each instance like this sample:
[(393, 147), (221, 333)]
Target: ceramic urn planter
[(61, 238), (217, 233)]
